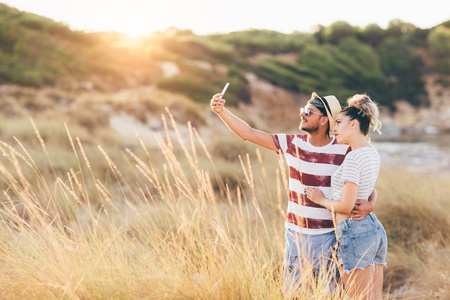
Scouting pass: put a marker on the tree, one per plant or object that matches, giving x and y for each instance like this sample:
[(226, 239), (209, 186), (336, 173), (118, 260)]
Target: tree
[(372, 34), (338, 31), (439, 43)]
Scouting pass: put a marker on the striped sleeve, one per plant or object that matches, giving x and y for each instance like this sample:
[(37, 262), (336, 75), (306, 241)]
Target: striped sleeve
[(282, 141), (351, 170), (276, 140)]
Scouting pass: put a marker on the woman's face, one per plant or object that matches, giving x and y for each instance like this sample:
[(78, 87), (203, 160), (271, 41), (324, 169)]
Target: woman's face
[(343, 129)]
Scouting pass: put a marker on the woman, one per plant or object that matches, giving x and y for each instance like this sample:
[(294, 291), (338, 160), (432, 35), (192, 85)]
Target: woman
[(362, 244)]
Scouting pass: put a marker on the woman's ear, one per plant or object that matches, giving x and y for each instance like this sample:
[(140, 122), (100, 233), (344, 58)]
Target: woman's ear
[(354, 123)]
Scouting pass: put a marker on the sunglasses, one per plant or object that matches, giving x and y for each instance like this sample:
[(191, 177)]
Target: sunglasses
[(307, 112)]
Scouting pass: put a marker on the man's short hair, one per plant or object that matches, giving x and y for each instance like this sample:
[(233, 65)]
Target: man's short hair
[(319, 104)]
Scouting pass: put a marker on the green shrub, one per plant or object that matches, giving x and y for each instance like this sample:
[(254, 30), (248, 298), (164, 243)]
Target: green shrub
[(252, 41)]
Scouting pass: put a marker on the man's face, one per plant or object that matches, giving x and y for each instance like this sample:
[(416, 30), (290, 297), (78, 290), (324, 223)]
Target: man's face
[(310, 123)]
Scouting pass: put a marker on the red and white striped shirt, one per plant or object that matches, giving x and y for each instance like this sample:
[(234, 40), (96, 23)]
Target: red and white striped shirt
[(309, 166)]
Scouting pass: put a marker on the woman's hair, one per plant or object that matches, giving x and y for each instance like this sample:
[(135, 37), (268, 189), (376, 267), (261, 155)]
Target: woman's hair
[(362, 108)]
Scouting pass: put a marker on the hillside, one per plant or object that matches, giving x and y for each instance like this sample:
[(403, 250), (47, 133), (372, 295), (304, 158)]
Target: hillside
[(37, 51), (404, 68)]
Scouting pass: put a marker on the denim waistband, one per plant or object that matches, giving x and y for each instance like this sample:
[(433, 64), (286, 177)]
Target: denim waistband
[(370, 218)]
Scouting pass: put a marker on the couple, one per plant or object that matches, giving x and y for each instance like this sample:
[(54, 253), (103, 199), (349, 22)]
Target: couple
[(331, 181)]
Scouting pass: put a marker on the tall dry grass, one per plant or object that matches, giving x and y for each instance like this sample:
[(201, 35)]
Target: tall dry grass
[(414, 209), (166, 232), (165, 223)]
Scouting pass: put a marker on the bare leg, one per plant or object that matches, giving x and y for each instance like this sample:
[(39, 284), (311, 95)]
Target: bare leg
[(359, 283), (378, 282)]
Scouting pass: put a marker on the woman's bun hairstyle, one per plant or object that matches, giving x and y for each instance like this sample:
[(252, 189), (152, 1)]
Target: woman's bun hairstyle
[(363, 109)]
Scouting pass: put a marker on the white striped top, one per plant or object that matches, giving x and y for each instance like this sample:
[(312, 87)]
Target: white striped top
[(360, 166)]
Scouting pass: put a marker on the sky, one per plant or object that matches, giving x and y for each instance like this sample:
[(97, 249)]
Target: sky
[(142, 17)]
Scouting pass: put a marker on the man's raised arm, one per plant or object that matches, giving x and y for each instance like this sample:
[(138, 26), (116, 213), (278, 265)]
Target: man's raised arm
[(239, 127)]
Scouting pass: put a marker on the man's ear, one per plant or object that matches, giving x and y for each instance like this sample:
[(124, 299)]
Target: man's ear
[(324, 121)]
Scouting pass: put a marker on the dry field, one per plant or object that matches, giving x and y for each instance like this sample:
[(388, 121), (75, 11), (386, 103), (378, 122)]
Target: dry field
[(182, 220)]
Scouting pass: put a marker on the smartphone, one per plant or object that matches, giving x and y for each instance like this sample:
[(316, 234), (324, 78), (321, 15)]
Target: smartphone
[(225, 88)]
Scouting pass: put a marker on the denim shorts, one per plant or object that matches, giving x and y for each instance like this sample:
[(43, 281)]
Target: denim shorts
[(306, 252), (361, 243)]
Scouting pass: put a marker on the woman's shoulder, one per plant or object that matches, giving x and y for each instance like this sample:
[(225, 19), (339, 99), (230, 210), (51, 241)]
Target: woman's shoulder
[(363, 153)]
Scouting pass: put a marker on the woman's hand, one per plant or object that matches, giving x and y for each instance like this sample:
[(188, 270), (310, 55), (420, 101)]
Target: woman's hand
[(314, 194), (217, 103)]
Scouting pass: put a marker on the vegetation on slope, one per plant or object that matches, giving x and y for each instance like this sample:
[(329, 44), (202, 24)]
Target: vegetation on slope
[(341, 59), (37, 51)]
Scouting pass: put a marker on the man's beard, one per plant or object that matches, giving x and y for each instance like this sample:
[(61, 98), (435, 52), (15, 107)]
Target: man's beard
[(310, 129)]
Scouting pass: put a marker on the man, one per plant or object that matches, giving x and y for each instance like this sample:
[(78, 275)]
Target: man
[(312, 158)]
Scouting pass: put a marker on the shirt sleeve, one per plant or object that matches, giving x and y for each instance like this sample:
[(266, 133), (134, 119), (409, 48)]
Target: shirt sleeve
[(351, 171), (278, 140)]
